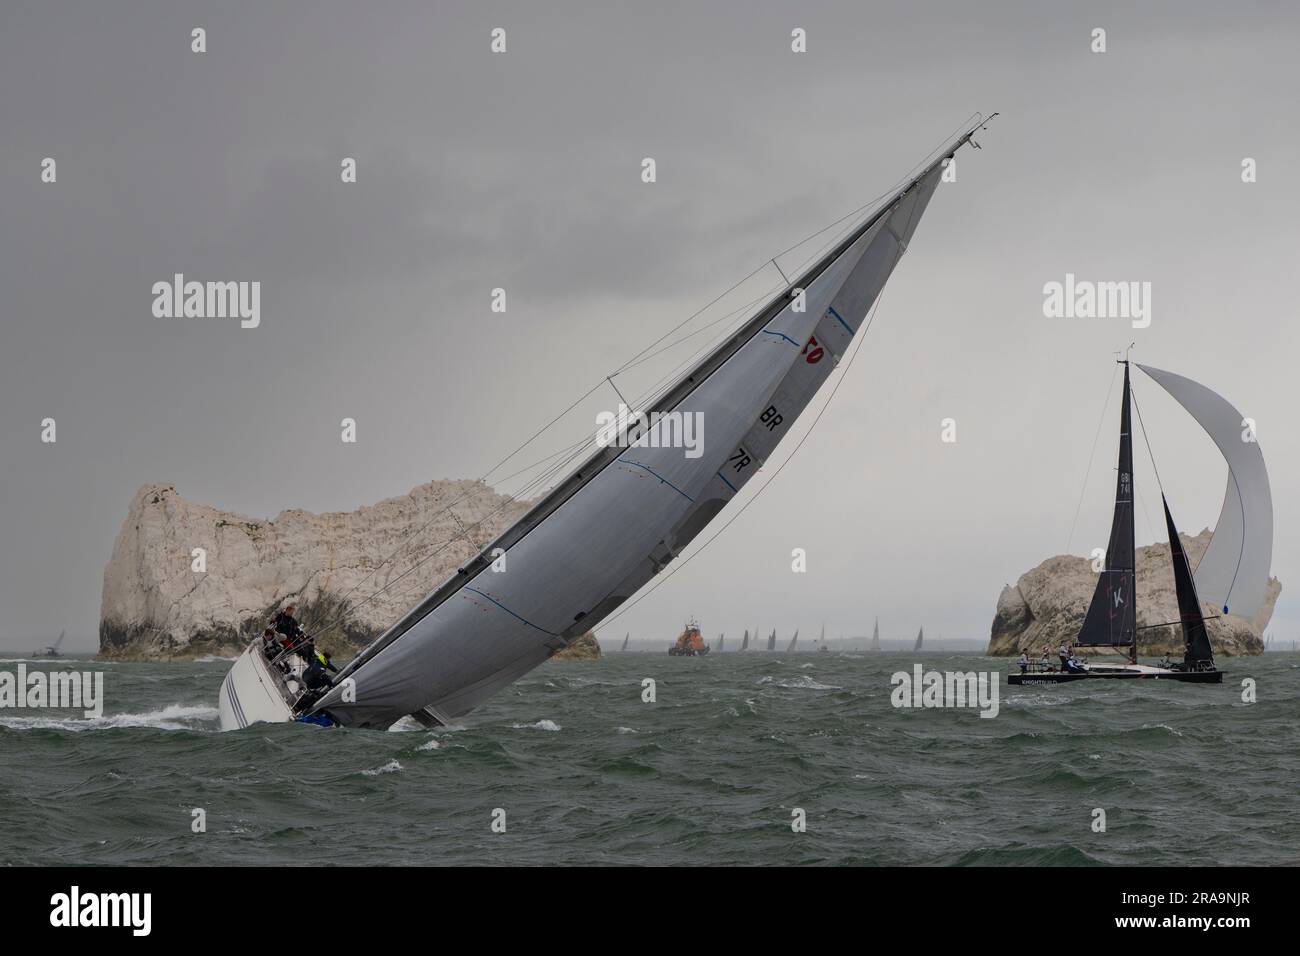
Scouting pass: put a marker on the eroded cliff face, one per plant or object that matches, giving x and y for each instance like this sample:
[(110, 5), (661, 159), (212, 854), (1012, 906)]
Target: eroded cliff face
[(1047, 606), (156, 606)]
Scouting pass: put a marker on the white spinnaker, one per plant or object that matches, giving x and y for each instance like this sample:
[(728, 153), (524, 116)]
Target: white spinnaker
[(1234, 571), (634, 516)]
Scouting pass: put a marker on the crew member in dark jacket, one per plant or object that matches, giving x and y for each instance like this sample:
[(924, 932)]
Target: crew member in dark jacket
[(295, 639)]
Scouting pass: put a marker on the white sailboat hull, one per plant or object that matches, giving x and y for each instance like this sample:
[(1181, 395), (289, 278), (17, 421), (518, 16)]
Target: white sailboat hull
[(251, 693)]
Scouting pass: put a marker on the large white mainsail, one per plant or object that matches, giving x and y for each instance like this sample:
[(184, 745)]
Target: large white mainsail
[(625, 513), (1233, 573)]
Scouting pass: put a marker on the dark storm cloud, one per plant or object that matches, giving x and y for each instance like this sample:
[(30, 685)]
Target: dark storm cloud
[(522, 171)]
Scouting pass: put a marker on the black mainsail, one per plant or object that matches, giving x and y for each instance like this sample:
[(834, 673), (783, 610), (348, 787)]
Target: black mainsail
[(1112, 616), (1196, 641)]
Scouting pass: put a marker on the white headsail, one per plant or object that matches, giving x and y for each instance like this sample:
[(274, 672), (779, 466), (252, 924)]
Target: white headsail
[(1234, 571), (626, 512)]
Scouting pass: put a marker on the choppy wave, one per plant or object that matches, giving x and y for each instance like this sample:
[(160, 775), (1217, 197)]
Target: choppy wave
[(705, 774), (798, 683)]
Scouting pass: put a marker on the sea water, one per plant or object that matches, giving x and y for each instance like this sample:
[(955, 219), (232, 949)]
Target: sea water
[(571, 765)]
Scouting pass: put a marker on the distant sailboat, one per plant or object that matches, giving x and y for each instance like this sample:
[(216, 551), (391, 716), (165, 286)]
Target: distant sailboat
[(1245, 524), (52, 650), (627, 638), (920, 636), (821, 642), (744, 645), (771, 640), (875, 636), (721, 638), (793, 641)]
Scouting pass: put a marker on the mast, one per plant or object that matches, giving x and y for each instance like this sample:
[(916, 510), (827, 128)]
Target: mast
[(1111, 620)]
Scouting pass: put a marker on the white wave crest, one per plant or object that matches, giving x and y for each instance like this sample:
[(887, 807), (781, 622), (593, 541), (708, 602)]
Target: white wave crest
[(171, 717), (540, 725)]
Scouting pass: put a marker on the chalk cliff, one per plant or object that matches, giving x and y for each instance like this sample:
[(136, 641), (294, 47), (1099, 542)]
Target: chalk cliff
[(1047, 605), (156, 605)]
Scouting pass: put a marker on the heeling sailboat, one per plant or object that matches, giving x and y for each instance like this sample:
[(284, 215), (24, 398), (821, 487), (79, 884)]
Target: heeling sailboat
[(875, 636), (744, 644), (771, 640), (603, 532), (920, 637), (793, 641), (1111, 620), (626, 637)]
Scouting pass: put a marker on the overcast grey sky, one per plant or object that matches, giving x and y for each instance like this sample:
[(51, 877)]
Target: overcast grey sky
[(522, 171)]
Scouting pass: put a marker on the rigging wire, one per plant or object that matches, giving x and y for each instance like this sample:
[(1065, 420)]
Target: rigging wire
[(821, 411), (1151, 529), (658, 385), (1088, 470), (609, 379)]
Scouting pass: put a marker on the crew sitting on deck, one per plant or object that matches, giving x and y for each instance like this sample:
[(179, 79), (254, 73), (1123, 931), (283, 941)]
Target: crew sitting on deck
[(316, 676), (270, 646)]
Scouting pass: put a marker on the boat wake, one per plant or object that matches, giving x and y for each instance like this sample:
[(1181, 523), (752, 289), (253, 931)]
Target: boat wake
[(171, 717)]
